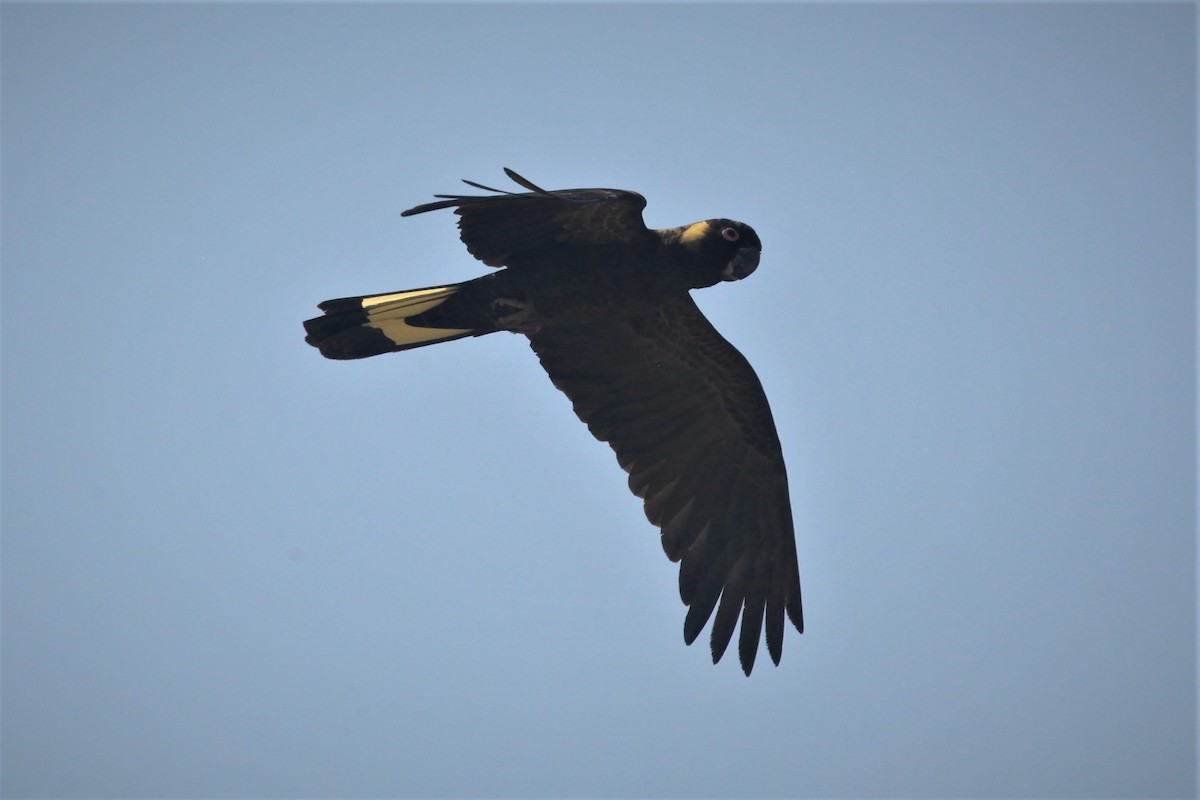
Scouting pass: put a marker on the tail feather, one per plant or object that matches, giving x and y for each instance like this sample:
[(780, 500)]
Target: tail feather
[(358, 327)]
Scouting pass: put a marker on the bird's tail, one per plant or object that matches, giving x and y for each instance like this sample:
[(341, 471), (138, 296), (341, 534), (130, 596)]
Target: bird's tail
[(358, 327)]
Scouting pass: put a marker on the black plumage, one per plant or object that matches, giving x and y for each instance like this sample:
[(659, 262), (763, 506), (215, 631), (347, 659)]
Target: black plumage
[(605, 304)]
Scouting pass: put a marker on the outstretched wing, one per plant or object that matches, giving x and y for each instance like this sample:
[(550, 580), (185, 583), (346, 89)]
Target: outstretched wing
[(690, 423), (517, 229)]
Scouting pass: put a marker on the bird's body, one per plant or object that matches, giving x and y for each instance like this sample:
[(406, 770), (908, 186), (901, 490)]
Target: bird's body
[(605, 304)]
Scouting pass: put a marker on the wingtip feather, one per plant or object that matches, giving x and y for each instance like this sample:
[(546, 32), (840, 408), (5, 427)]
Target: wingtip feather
[(528, 184)]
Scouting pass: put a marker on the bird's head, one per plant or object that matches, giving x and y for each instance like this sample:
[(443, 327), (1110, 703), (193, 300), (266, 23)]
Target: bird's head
[(720, 250)]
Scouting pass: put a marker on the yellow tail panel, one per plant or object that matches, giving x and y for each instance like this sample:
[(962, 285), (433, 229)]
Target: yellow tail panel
[(389, 313)]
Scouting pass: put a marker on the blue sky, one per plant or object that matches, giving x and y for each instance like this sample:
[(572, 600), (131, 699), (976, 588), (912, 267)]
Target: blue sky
[(233, 568)]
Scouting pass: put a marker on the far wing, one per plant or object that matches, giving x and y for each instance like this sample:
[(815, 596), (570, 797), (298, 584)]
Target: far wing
[(690, 423), (516, 229)]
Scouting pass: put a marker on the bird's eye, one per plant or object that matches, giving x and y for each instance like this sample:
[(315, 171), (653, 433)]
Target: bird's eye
[(730, 234)]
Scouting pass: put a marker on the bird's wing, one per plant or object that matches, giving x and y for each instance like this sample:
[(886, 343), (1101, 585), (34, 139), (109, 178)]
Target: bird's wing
[(690, 423), (515, 229)]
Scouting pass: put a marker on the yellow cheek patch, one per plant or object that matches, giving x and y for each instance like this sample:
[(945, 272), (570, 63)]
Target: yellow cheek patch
[(389, 314), (694, 233)]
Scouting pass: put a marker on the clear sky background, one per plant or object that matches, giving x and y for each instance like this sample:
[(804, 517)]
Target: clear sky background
[(234, 568)]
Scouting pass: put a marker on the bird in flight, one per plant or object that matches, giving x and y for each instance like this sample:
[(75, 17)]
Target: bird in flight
[(605, 304)]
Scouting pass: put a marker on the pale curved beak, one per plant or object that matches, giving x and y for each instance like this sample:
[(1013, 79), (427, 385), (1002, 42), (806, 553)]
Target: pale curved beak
[(742, 264)]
